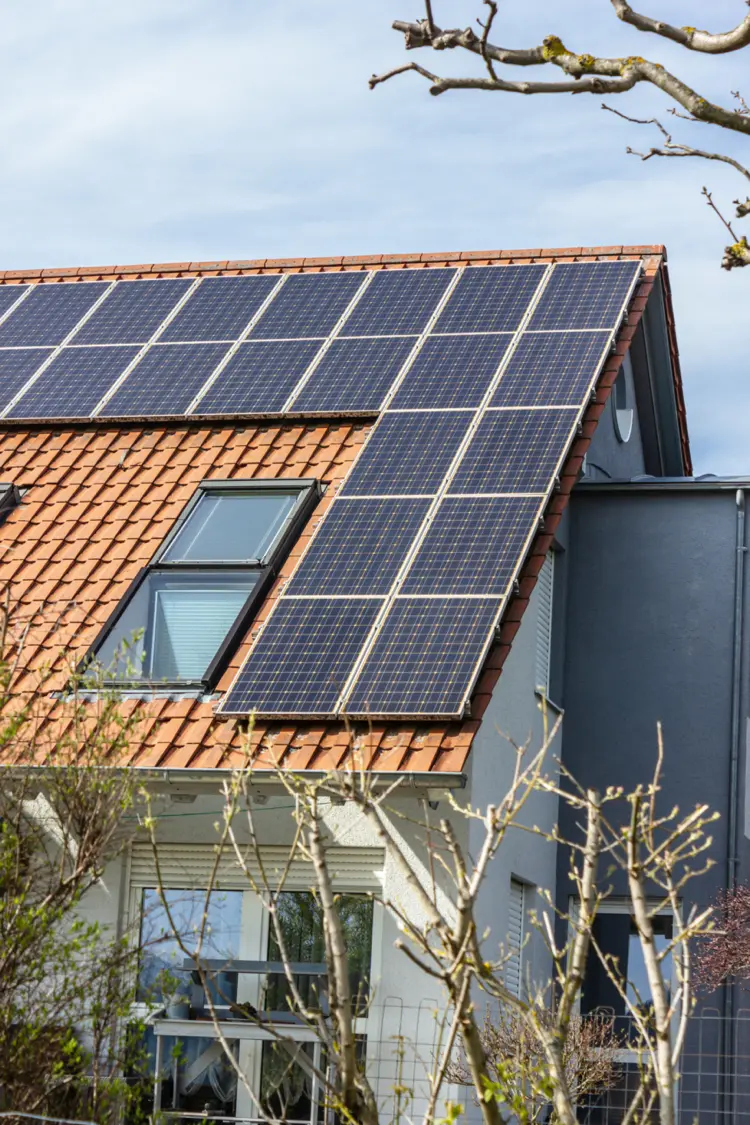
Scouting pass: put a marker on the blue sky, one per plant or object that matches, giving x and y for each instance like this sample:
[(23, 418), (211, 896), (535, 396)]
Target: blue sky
[(184, 129)]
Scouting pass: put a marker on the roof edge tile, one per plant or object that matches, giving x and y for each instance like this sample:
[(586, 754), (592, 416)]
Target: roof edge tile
[(351, 261)]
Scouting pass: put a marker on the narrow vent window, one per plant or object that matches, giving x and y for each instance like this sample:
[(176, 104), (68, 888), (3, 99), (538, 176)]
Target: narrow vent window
[(544, 589)]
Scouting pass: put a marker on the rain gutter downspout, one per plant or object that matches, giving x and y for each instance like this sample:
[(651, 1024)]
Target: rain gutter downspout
[(734, 763)]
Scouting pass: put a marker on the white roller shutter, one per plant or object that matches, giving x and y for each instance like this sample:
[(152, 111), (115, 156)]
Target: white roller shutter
[(516, 933), (190, 865), (544, 590)]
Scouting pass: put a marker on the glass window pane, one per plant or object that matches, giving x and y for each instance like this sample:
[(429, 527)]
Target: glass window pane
[(638, 989), (617, 937), (159, 975), (195, 1076), (173, 627), (301, 920), (288, 1091), (232, 526)]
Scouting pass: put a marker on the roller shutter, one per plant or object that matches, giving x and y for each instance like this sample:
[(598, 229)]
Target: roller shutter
[(544, 590), (516, 925), (190, 865)]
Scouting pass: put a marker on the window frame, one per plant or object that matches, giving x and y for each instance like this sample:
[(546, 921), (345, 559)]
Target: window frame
[(623, 406), (253, 945), (623, 906), (267, 568)]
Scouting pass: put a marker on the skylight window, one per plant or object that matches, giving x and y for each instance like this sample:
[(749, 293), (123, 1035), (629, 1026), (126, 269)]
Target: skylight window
[(187, 610)]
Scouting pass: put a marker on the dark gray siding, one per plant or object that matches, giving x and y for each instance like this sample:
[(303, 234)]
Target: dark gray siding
[(609, 457), (649, 631)]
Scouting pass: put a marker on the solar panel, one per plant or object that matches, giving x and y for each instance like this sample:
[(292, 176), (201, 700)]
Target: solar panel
[(398, 302), (220, 308), (308, 304), (303, 656), (49, 314), (360, 547), (354, 374), (515, 451), (552, 369), (259, 377), (9, 294), (73, 383), (473, 545), (407, 453), (424, 657), (451, 371), (165, 381), (133, 311), (584, 295), (490, 299), (16, 366)]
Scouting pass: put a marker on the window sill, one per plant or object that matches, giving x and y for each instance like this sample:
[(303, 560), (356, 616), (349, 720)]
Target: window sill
[(545, 701)]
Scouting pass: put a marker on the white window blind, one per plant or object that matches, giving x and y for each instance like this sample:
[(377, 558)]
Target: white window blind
[(189, 626), (516, 934), (544, 590)]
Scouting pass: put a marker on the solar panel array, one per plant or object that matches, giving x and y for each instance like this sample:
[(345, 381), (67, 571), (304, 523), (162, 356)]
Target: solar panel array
[(480, 376), (395, 603)]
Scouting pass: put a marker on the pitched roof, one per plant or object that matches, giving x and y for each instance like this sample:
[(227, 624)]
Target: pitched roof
[(103, 496)]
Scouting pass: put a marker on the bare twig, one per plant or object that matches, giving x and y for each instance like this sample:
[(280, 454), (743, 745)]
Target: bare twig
[(674, 148), (715, 209)]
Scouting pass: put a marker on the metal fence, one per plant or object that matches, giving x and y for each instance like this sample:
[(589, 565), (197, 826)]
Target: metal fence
[(400, 1045), (713, 1084)]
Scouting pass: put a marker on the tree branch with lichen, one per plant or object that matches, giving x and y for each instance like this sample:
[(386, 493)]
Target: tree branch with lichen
[(584, 73)]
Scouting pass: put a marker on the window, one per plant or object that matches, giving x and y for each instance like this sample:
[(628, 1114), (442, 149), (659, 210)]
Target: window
[(186, 611), (301, 919), (10, 498), (287, 1085), (622, 407), (544, 591), (616, 935), (160, 976), (517, 907), (183, 1068)]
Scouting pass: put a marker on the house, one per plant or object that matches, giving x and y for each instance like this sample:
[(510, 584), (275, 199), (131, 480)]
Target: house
[(342, 496)]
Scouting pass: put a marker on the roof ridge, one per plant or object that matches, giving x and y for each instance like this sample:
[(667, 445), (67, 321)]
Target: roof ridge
[(341, 262)]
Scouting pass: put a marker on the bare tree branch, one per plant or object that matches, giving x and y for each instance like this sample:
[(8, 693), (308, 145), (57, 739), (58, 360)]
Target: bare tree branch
[(675, 148), (585, 73), (690, 37)]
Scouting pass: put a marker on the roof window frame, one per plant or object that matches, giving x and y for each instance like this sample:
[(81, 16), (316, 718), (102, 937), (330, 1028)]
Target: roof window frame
[(267, 568)]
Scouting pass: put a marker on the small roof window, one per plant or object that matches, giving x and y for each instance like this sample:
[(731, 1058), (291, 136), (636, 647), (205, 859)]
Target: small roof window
[(186, 611), (236, 526)]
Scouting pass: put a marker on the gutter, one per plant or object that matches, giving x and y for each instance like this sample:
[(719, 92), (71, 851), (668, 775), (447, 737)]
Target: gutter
[(208, 780), (733, 794), (665, 484)]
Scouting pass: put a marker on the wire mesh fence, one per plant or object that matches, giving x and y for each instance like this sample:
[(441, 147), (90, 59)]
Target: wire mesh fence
[(400, 1047), (713, 1083)]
